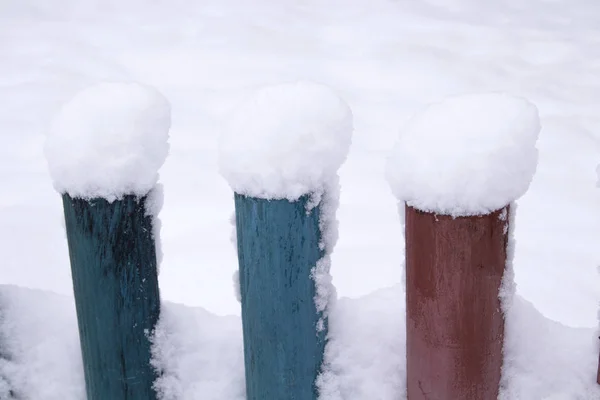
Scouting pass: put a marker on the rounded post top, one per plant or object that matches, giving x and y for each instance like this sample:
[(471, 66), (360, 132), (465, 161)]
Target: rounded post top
[(109, 141), (285, 141), (467, 155)]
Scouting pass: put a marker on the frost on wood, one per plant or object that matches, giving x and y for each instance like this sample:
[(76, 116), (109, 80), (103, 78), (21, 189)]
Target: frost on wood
[(286, 141), (109, 141), (467, 155)]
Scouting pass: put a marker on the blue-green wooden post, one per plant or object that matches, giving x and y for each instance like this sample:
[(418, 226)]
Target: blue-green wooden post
[(113, 263), (278, 245)]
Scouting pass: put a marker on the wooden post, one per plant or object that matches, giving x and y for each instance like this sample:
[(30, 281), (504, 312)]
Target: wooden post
[(113, 263), (455, 326), (598, 375), (278, 245)]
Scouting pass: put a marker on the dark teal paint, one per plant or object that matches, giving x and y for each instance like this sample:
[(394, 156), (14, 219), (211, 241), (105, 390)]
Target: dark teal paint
[(113, 263), (278, 245)]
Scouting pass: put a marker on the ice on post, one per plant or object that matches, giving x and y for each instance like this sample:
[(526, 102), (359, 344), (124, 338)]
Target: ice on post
[(467, 155), (280, 152), (109, 141)]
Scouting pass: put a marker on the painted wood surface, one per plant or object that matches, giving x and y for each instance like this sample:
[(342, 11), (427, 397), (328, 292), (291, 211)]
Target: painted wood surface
[(113, 263), (598, 375), (278, 245), (455, 327)]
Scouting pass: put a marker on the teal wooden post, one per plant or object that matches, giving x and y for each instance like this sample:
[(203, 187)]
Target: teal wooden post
[(278, 245), (113, 263)]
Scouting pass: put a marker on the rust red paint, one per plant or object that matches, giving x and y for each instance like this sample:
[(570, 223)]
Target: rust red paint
[(455, 326), (598, 376)]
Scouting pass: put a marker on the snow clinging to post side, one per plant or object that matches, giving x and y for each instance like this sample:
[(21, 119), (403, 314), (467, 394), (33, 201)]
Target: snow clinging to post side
[(507, 295), (328, 201), (467, 155), (508, 288), (285, 141), (109, 141)]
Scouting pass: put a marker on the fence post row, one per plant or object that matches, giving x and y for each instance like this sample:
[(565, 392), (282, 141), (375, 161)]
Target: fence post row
[(280, 229), (456, 169), (104, 162), (280, 154)]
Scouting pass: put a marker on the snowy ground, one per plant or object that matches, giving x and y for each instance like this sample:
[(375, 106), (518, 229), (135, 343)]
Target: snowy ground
[(388, 59)]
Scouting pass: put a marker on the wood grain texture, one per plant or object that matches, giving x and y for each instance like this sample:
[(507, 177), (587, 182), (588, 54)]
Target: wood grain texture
[(113, 263), (455, 326), (278, 245)]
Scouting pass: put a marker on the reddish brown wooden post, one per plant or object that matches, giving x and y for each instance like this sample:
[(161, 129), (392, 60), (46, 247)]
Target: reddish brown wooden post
[(455, 326), (598, 376)]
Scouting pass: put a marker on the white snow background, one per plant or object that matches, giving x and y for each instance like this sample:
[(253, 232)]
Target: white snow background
[(387, 59)]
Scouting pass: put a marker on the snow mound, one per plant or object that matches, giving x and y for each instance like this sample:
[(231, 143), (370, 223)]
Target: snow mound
[(286, 141), (109, 141), (467, 155), (200, 355), (547, 360), (40, 356), (365, 357)]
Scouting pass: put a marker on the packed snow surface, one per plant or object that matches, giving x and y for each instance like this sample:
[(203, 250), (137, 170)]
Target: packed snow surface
[(466, 155), (109, 141), (286, 141)]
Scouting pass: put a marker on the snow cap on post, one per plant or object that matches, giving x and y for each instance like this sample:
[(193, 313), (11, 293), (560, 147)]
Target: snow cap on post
[(109, 141), (286, 141), (467, 155)]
